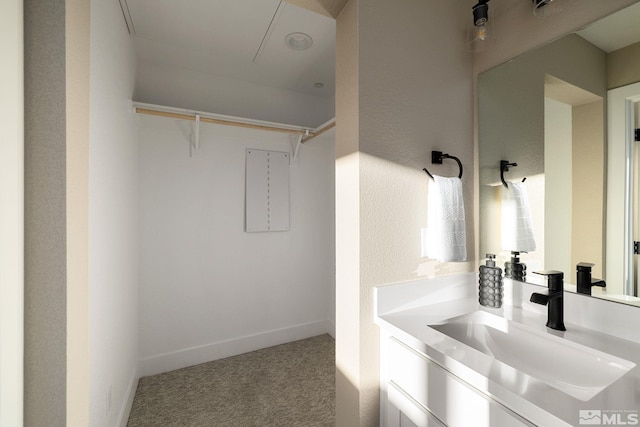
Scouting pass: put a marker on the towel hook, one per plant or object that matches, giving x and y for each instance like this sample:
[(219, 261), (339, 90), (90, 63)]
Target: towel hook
[(504, 166), (436, 159)]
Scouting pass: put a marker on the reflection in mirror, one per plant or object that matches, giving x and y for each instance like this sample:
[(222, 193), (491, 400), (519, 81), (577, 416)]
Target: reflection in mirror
[(546, 110), (633, 287), (623, 166), (574, 175)]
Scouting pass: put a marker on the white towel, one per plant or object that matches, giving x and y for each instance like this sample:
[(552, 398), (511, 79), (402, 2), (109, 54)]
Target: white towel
[(517, 226), (446, 238)]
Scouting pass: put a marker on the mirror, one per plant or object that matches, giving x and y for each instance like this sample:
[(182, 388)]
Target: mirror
[(546, 111)]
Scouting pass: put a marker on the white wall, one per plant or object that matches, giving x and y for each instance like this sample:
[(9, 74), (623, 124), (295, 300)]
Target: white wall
[(113, 202), (588, 189), (208, 289), (558, 189), (180, 87), (11, 213)]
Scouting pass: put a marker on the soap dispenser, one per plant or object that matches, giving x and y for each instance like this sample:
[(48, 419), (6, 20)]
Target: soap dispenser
[(490, 289), (515, 269)]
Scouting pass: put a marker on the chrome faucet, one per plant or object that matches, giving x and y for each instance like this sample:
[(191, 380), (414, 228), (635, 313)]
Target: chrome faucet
[(554, 299), (584, 282)]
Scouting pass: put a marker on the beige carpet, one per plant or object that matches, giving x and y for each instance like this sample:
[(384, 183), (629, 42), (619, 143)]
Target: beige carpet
[(287, 385)]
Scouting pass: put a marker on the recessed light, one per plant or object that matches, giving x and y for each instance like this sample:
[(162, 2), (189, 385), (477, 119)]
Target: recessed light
[(318, 85), (298, 41)]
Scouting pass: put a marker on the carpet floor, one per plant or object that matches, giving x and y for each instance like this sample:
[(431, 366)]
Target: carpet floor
[(291, 384)]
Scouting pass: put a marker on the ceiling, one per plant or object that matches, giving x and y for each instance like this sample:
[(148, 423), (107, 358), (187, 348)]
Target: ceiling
[(244, 40), (239, 39), (615, 31), (567, 93)]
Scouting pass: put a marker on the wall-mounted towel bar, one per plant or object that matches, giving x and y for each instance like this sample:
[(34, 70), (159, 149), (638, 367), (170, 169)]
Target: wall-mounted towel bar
[(504, 166), (436, 159)]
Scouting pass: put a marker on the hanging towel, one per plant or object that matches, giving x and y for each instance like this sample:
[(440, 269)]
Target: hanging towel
[(517, 226), (446, 238)]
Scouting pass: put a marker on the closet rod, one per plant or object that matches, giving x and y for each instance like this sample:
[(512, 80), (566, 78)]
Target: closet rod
[(192, 117), (317, 132)]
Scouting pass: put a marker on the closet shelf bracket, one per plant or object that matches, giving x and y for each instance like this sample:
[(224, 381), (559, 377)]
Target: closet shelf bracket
[(294, 157)]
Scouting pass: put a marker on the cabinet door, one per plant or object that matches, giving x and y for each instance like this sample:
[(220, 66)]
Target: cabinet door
[(446, 397), (406, 422), (402, 411)]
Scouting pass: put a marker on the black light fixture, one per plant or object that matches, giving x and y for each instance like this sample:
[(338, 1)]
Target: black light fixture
[(480, 32), (546, 7), (481, 13)]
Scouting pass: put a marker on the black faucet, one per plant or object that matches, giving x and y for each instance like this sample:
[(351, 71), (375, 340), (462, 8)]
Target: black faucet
[(554, 300), (584, 281)]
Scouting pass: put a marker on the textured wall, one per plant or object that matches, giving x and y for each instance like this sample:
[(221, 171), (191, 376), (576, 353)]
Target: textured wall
[(57, 379), (413, 96), (623, 66), (45, 214)]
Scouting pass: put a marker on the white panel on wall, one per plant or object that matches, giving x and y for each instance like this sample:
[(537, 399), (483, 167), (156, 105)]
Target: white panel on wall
[(267, 191)]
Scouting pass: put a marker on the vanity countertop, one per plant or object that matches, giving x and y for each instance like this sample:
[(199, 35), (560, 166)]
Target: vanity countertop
[(407, 309)]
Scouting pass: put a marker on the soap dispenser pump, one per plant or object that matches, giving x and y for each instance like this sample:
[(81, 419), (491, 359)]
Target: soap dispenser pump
[(490, 289), (515, 269)]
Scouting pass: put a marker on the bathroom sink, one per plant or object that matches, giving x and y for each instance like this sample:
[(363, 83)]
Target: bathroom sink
[(577, 370)]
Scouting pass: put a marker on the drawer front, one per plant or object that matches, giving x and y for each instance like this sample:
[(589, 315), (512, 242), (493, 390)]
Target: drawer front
[(451, 400)]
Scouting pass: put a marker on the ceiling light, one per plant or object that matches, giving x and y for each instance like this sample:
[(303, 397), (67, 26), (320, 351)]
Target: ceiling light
[(479, 32), (480, 13), (298, 41)]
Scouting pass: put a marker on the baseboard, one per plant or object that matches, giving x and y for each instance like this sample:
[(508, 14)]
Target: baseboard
[(194, 356), (123, 417), (331, 328)]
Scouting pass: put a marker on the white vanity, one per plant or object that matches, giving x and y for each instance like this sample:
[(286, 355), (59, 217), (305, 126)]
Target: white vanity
[(447, 360)]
